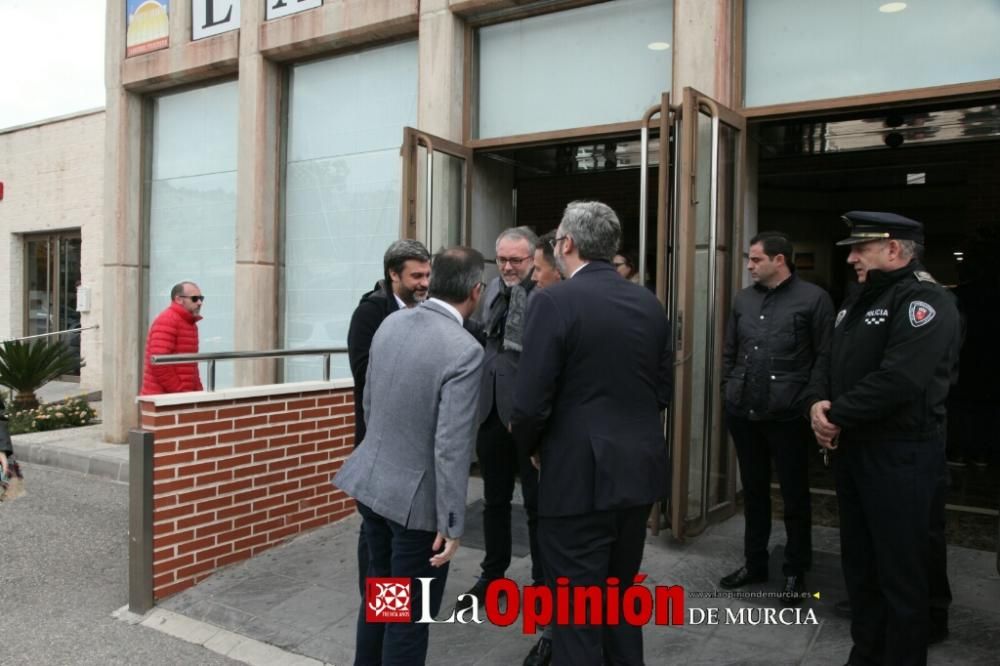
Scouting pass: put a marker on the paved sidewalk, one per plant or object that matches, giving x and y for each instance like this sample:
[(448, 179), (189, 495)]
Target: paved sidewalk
[(301, 598)]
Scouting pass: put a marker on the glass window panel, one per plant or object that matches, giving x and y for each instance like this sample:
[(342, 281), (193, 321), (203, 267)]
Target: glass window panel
[(599, 55), (815, 49), (720, 471), (447, 205), (192, 211), (69, 280), (40, 316), (342, 191)]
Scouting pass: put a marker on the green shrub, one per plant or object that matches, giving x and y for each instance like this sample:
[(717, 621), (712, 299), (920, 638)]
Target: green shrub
[(69, 413), (27, 366)]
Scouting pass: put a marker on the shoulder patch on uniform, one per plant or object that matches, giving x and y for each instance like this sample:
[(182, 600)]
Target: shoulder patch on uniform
[(924, 276), (921, 313), (840, 317)]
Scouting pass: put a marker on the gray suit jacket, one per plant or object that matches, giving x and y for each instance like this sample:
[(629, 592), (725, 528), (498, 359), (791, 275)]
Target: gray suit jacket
[(413, 465)]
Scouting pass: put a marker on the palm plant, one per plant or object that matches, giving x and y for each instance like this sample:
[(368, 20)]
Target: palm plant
[(27, 366)]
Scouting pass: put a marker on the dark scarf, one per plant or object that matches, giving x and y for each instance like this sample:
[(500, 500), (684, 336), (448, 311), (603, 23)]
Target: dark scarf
[(507, 314)]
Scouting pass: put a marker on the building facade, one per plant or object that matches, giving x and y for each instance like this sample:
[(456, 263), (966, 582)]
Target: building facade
[(51, 224), (270, 150)]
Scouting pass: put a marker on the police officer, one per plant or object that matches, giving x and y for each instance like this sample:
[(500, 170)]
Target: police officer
[(894, 346), (777, 343)]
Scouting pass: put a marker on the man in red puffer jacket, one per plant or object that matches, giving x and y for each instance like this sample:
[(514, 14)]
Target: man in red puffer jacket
[(174, 331)]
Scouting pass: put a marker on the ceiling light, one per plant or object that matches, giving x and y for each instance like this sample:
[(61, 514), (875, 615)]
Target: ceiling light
[(658, 46), (958, 254), (892, 7)]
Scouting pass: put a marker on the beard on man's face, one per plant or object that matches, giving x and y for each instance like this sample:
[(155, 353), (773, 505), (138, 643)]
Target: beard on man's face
[(412, 296)]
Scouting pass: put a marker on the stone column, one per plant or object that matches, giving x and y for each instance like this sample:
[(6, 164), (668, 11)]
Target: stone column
[(123, 176), (703, 53), (442, 59), (258, 172), (440, 95)]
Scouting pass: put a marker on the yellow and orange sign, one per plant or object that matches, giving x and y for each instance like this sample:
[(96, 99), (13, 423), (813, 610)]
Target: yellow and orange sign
[(148, 26)]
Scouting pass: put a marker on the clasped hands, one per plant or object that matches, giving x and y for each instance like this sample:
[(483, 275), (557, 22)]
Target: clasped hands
[(826, 432)]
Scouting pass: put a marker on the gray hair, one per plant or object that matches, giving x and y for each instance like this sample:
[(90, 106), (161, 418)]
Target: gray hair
[(399, 253), (594, 227), (910, 249), (455, 273), (519, 233)]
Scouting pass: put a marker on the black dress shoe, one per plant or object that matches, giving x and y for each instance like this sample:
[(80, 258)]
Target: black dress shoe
[(842, 609), (741, 577), (795, 590), (478, 591), (541, 653)]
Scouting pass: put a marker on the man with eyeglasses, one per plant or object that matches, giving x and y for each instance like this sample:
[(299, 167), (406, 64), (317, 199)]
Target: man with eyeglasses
[(174, 331), (502, 313)]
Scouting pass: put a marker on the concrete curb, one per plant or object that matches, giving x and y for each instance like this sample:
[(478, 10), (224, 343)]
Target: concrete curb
[(74, 449), (221, 641)]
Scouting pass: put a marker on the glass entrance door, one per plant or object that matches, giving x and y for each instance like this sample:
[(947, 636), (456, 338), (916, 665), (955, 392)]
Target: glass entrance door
[(709, 199), (436, 184), (52, 274)]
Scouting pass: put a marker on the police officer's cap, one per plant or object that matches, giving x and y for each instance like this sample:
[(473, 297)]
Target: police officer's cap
[(868, 226)]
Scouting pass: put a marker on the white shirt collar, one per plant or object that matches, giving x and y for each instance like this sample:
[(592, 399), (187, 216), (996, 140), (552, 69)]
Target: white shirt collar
[(399, 301), (578, 269), (449, 307)]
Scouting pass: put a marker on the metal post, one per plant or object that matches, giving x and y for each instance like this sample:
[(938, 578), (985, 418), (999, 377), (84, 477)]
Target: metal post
[(211, 375), (326, 367), (140, 521)]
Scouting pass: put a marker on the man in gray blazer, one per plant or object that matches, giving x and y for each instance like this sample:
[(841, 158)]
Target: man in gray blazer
[(411, 473)]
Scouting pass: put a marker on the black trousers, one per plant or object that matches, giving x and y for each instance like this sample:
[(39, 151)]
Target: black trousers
[(886, 491), (938, 586), (588, 549), (789, 444), (395, 551), (500, 463)]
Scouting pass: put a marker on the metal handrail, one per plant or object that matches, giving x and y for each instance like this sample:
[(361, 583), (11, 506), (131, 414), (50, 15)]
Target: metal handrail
[(53, 333), (212, 357)]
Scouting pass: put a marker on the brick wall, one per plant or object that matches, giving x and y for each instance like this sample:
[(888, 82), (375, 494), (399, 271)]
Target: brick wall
[(233, 476)]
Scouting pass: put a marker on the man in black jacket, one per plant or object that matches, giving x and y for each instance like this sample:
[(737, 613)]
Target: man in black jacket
[(595, 373), (777, 344), (407, 270), (407, 267), (895, 344), (502, 311)]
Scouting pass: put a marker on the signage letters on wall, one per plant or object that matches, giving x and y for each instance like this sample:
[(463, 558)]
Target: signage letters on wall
[(149, 29), (279, 8), (212, 17)]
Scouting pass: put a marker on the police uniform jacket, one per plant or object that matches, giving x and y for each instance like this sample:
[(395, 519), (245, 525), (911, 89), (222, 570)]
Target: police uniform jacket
[(777, 345), (894, 347)]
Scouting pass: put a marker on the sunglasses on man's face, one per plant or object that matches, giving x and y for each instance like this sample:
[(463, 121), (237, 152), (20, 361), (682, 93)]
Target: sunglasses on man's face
[(195, 299)]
